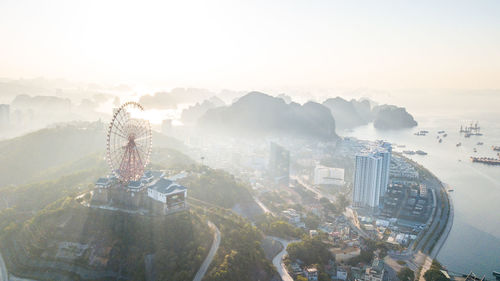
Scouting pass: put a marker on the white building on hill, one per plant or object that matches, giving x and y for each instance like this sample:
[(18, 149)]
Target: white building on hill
[(168, 192)]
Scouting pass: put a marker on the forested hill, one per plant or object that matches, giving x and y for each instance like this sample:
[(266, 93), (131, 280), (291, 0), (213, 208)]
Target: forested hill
[(42, 154)]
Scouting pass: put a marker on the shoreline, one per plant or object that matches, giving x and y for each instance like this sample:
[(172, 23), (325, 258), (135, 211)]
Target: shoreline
[(441, 240)]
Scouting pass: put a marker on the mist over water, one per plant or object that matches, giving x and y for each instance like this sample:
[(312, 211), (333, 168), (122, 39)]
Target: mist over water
[(474, 241)]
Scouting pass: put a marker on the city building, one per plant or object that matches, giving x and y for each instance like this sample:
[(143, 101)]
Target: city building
[(371, 175), (367, 180), (341, 273), (171, 194), (328, 176), (311, 273), (385, 151), (375, 272), (279, 164), (4, 115)]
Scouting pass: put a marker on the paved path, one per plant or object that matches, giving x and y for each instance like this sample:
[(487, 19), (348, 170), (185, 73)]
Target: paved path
[(308, 187), (446, 232), (278, 259), (211, 254), (262, 206)]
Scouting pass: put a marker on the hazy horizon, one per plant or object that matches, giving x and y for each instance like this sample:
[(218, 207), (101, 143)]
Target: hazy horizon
[(281, 46)]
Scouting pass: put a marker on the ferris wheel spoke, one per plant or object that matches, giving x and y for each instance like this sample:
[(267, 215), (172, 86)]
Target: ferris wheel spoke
[(140, 148), (120, 122), (120, 132), (117, 157), (136, 151), (143, 138)]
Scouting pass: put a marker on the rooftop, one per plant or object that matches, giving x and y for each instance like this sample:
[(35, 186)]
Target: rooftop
[(167, 186)]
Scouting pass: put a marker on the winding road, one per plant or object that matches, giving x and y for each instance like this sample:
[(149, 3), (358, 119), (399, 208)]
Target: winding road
[(211, 254), (278, 259)]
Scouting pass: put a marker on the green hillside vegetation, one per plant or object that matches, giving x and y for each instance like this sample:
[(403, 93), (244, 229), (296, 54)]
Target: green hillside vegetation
[(277, 227), (24, 158), (117, 244), (35, 196), (310, 251), (240, 255), (52, 152), (38, 214), (217, 187)]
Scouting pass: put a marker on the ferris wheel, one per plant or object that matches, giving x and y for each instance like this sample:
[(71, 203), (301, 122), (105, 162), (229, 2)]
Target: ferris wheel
[(128, 142)]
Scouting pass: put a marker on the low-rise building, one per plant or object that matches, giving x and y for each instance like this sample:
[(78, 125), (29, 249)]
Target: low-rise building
[(171, 194), (341, 273), (328, 176), (375, 272), (311, 273)]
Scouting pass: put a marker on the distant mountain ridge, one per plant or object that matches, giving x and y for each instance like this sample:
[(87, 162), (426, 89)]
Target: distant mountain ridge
[(193, 113), (392, 117), (261, 114), (353, 113)]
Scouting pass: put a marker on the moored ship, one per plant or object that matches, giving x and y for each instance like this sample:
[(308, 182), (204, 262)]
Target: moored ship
[(486, 160)]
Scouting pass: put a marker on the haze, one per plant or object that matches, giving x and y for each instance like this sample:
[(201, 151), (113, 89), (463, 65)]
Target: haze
[(266, 45)]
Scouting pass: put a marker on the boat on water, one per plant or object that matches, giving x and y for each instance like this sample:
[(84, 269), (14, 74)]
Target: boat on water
[(459, 144), (409, 152), (496, 274), (421, 152), (451, 190), (440, 132), (480, 143), (486, 160)]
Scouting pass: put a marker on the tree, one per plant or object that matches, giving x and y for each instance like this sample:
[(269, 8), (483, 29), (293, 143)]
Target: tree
[(312, 221), (406, 274), (435, 275), (342, 202)]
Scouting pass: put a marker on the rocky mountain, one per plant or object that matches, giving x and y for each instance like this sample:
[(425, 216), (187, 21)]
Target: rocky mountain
[(353, 113), (193, 113), (167, 100), (392, 117), (345, 112), (261, 114)]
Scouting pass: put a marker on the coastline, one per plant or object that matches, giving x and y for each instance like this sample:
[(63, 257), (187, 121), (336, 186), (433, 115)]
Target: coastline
[(440, 241), (449, 224)]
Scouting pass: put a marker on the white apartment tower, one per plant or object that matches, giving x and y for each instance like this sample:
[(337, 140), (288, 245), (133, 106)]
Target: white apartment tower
[(371, 176)]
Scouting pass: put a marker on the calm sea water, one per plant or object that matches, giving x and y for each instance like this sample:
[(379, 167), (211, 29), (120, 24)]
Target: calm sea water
[(474, 241)]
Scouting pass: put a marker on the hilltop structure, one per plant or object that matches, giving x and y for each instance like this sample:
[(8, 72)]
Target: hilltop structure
[(129, 186), (153, 191)]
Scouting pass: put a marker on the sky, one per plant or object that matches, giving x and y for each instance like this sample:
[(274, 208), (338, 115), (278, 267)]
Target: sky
[(255, 44)]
